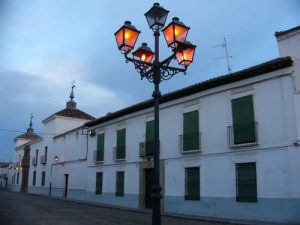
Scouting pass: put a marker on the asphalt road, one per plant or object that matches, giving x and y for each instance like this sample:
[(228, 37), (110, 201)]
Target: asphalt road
[(25, 209)]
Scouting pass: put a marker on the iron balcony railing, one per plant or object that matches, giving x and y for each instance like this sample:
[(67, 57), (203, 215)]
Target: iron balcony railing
[(119, 153), (34, 161), (98, 156), (146, 149), (243, 134), (190, 142), (43, 159)]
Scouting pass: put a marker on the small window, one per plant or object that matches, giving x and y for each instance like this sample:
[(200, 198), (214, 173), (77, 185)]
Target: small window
[(192, 183), (246, 190), (99, 181), (120, 183)]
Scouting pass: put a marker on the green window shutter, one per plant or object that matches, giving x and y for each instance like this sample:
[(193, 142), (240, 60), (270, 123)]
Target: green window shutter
[(121, 143), (120, 183), (150, 138), (99, 180), (34, 178), (18, 177), (43, 178), (100, 147), (191, 131), (243, 120), (192, 183), (246, 187)]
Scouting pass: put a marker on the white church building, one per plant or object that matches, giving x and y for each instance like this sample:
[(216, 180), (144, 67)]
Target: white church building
[(229, 147)]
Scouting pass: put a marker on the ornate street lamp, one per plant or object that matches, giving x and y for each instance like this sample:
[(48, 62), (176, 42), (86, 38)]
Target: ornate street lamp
[(175, 34)]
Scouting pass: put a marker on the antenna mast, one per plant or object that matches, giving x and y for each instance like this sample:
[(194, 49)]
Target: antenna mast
[(224, 45)]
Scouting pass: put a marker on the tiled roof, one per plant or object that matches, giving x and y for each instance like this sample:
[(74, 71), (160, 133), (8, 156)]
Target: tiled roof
[(4, 164), (74, 113), (30, 136), (279, 33), (254, 71)]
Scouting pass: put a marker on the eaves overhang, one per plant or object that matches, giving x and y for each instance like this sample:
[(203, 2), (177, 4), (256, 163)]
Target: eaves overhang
[(258, 70)]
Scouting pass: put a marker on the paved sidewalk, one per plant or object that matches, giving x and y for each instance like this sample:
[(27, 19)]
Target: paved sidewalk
[(26, 209)]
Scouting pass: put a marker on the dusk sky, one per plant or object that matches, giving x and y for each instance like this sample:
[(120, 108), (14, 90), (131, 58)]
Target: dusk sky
[(46, 44)]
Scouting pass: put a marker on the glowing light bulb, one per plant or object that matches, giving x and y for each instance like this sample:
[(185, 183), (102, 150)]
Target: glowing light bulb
[(126, 35), (143, 58), (176, 32)]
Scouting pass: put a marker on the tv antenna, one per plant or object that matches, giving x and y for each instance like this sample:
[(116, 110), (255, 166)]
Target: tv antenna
[(224, 45)]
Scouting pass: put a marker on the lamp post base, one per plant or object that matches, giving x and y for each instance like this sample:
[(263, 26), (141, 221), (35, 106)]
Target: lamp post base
[(156, 197)]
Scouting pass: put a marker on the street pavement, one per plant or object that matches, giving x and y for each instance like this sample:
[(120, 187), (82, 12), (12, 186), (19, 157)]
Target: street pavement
[(26, 209)]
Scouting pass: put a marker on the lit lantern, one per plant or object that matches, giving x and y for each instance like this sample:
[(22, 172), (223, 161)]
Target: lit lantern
[(175, 32), (143, 53), (56, 158), (185, 53), (126, 37), (156, 17)]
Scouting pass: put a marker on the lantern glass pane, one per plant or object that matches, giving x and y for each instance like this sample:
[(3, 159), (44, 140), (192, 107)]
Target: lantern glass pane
[(180, 33), (169, 35), (130, 37), (179, 57), (148, 58), (119, 38), (144, 56)]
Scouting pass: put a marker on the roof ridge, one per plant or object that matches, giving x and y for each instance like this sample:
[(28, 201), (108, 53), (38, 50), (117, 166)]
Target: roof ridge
[(249, 72)]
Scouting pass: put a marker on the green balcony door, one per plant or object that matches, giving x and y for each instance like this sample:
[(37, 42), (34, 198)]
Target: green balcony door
[(243, 120), (121, 143), (191, 131), (100, 147), (149, 138)]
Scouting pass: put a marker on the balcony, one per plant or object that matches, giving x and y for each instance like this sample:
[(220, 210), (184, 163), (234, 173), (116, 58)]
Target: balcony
[(190, 142), (43, 160), (119, 153), (146, 149), (243, 135), (34, 161), (98, 156)]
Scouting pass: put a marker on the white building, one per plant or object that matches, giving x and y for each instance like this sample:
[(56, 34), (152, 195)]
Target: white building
[(45, 153), (229, 147), (5, 168)]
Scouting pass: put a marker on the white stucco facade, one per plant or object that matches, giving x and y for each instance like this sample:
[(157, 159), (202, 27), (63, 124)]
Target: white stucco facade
[(275, 152)]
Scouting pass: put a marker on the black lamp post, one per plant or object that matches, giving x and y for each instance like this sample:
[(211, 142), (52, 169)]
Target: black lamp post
[(175, 34)]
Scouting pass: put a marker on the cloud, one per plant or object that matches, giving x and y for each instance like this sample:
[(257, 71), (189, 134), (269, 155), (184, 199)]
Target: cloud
[(49, 84)]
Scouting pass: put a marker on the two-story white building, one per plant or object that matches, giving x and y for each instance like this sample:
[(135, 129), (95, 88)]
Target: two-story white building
[(229, 147)]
